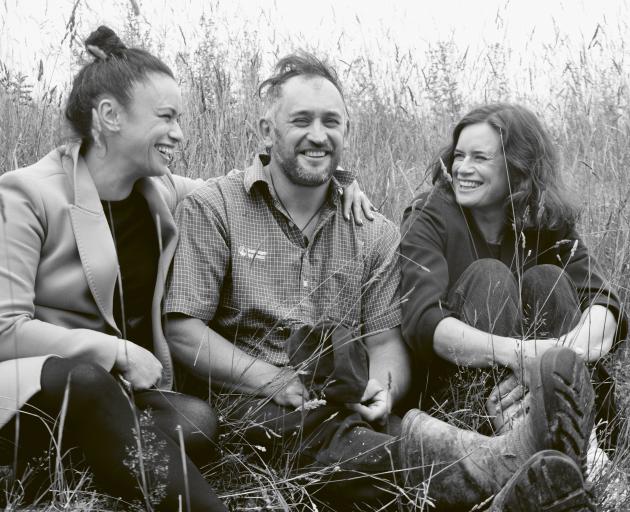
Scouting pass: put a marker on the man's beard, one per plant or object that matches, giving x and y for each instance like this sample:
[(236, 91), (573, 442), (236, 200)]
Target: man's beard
[(313, 178)]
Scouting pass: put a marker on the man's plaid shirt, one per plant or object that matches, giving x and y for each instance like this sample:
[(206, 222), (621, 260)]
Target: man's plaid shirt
[(243, 267)]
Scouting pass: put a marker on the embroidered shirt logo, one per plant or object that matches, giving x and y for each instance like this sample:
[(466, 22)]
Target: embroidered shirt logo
[(252, 253)]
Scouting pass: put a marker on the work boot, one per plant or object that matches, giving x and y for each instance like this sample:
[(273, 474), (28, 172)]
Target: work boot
[(548, 482), (461, 468)]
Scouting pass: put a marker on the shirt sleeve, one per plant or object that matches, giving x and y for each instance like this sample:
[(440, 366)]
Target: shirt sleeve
[(425, 275), (380, 304), (588, 279), (345, 178), (202, 256)]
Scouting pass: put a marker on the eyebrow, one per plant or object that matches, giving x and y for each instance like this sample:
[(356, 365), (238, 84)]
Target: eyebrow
[(170, 108), (476, 151), (311, 113)]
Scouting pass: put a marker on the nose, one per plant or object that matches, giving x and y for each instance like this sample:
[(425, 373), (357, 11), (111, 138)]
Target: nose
[(462, 166), (176, 132), (317, 133)]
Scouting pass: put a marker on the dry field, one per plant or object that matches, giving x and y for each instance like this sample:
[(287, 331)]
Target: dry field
[(401, 109)]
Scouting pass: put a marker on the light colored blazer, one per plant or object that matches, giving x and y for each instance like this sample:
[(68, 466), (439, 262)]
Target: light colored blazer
[(58, 269)]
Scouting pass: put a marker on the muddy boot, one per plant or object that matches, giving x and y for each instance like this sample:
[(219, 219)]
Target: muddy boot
[(461, 468), (548, 482)]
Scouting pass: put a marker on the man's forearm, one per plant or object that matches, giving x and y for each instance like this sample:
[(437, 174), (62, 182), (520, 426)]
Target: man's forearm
[(390, 362), (210, 357)]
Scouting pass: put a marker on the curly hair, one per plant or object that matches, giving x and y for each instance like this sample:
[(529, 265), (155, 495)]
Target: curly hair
[(538, 197)]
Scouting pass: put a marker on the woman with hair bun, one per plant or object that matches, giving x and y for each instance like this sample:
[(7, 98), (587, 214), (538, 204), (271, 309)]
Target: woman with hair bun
[(495, 273), (87, 239)]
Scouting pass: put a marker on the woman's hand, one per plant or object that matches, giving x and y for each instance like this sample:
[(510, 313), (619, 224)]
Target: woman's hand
[(506, 403), (526, 352), (137, 365), (354, 199), (375, 404)]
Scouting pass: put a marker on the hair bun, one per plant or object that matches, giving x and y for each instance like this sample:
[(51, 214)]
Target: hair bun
[(104, 42)]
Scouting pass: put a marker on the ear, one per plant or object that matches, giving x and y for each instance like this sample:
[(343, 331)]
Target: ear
[(107, 115), (265, 130)]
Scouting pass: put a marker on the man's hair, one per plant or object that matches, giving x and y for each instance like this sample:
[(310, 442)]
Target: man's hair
[(537, 196), (300, 63)]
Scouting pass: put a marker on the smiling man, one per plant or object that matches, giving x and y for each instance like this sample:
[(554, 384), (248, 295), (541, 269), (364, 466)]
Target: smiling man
[(277, 301)]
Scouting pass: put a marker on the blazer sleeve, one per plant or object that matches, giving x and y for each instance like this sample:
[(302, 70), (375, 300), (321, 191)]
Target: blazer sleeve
[(425, 273), (22, 233)]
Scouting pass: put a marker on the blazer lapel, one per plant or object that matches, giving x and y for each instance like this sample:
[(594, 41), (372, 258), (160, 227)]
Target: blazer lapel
[(164, 225), (93, 237), (167, 240)]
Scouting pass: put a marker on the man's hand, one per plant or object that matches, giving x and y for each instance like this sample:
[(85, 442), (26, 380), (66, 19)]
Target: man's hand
[(375, 404), (286, 389), (137, 365), (354, 199)]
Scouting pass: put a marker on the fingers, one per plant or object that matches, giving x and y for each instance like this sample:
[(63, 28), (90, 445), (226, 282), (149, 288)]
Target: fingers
[(372, 388), (367, 206), (512, 397), (348, 199), (357, 211), (373, 412)]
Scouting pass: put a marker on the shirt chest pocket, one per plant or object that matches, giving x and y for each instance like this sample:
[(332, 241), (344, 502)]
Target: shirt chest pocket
[(341, 290)]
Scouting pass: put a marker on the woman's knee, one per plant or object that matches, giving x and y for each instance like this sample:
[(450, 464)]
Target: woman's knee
[(486, 296), (486, 276), (544, 282), (80, 377), (194, 416)]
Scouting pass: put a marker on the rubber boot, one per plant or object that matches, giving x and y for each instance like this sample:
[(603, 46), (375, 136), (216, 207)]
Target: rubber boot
[(548, 482), (461, 468)]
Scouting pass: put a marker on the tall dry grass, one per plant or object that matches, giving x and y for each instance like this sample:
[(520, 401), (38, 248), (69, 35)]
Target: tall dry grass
[(402, 106)]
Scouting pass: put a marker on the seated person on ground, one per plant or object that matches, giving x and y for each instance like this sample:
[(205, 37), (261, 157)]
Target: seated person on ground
[(274, 298)]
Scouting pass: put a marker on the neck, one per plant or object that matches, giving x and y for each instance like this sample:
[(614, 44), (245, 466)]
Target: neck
[(490, 223), (110, 176), (301, 202)]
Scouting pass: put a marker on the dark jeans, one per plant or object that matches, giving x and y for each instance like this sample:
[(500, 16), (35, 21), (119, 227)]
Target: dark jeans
[(487, 296), (353, 459), (358, 457), (100, 420)]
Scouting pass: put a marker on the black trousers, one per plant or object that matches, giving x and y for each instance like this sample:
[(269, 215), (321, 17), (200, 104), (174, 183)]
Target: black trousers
[(100, 420)]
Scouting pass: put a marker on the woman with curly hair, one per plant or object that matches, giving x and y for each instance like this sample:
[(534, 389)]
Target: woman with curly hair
[(495, 273)]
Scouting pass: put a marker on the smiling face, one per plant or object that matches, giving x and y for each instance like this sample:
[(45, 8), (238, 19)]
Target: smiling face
[(307, 132), (149, 127), (480, 178)]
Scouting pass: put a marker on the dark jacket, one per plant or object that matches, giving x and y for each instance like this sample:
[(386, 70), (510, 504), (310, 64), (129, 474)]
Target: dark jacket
[(440, 240)]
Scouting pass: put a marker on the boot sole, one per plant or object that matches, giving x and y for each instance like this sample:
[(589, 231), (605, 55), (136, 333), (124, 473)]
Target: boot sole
[(568, 403), (548, 482)]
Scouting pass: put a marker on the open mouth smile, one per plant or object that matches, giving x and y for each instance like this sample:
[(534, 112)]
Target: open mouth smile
[(165, 151), (315, 153), (468, 184)]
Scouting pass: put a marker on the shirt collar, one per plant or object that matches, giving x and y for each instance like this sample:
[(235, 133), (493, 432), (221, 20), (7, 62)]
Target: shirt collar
[(259, 172)]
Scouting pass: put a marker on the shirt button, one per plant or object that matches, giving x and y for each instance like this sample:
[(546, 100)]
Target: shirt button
[(291, 224)]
